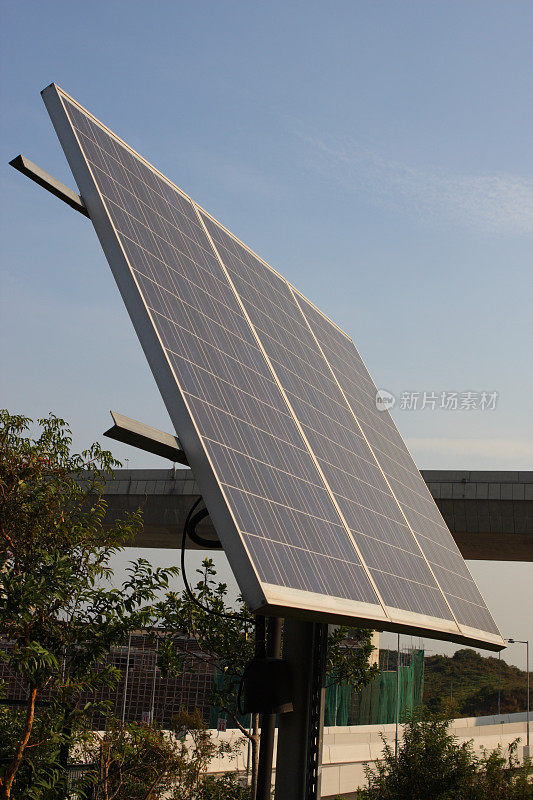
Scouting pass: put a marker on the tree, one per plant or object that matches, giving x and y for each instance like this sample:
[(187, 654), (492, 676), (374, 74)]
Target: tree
[(224, 635), (470, 681), (139, 762), (433, 765), (38, 772), (131, 760), (503, 776), (58, 616)]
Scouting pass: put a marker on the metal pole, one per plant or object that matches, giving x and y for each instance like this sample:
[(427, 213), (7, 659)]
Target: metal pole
[(300, 731), (526, 642), (152, 704), (499, 682), (126, 680), (249, 751), (397, 699), (268, 721), (260, 645), (316, 712), (527, 668)]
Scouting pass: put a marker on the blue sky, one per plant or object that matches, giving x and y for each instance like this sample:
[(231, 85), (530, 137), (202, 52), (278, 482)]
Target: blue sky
[(377, 153)]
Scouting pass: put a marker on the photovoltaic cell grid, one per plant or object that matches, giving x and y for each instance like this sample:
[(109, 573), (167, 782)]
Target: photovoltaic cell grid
[(321, 487), (412, 494), (347, 464), (257, 451)]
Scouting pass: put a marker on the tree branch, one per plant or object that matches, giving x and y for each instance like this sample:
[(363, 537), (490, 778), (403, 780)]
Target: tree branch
[(12, 769)]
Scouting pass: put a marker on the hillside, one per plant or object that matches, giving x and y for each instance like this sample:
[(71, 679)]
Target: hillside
[(466, 684)]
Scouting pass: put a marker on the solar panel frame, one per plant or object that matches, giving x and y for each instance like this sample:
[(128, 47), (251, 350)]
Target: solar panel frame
[(246, 574), (259, 595)]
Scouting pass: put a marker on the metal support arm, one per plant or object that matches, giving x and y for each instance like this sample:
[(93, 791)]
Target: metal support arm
[(49, 183), (137, 434)]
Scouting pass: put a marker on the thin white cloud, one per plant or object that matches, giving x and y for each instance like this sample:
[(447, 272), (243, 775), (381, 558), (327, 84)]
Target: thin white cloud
[(507, 449), (495, 204)]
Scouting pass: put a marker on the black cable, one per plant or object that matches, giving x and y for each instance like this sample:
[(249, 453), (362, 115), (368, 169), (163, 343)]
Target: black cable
[(183, 572), (201, 541), (186, 532), (240, 709)]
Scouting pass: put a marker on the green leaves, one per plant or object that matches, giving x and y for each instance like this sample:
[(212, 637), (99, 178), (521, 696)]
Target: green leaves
[(347, 661), (56, 612), (433, 765), (34, 663), (137, 761)]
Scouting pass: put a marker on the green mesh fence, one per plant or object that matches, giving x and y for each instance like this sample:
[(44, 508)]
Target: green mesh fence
[(418, 678), (231, 688), (386, 711), (376, 703), (337, 708)]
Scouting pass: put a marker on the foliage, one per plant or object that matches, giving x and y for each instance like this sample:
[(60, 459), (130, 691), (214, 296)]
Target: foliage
[(349, 650), (470, 682), (138, 762), (433, 765), (39, 757), (57, 616), (224, 636), (223, 787), (502, 776), (196, 749), (130, 761)]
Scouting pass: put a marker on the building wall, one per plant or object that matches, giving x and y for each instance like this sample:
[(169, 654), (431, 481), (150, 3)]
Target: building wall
[(149, 694)]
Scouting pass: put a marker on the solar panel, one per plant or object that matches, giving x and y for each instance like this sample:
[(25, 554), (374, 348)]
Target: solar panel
[(313, 493), (347, 464)]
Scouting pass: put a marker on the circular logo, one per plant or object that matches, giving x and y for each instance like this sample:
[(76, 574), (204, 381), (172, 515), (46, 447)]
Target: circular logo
[(384, 400)]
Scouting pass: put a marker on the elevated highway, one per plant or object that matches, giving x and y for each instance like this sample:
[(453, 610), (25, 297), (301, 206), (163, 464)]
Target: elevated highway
[(490, 514)]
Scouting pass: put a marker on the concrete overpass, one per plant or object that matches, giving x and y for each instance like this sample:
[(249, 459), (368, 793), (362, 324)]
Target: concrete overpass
[(490, 514)]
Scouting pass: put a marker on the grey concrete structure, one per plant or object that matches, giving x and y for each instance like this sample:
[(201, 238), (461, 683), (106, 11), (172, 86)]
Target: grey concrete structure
[(165, 496), (490, 514)]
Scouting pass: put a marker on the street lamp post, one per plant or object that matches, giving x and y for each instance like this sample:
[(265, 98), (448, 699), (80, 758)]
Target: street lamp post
[(124, 699), (526, 642), (499, 682), (397, 698)]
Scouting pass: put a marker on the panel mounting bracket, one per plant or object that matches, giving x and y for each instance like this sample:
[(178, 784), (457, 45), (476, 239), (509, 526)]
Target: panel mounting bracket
[(49, 183), (131, 431)]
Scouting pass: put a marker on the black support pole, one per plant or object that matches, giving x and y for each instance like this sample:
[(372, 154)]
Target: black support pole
[(299, 759), (260, 627), (268, 721)]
